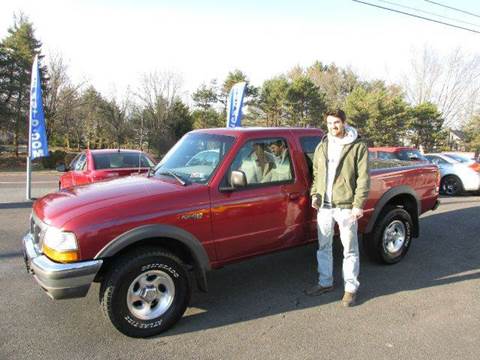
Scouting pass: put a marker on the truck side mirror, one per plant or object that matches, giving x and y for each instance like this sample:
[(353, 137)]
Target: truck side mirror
[(237, 180)]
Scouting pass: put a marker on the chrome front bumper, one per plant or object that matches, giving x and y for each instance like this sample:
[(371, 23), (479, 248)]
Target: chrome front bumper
[(60, 281)]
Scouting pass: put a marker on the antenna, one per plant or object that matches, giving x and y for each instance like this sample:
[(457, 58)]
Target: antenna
[(141, 144)]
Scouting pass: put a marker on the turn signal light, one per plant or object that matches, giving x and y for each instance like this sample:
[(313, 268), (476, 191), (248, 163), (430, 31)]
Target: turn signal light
[(475, 166), (61, 256)]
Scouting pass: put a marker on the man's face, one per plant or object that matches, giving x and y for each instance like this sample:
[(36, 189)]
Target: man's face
[(276, 150), (335, 125)]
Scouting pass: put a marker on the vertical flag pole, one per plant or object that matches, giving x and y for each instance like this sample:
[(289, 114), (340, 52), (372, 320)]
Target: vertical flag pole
[(29, 178), (29, 148)]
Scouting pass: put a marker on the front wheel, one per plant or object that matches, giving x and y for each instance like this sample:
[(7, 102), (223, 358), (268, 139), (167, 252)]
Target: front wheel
[(145, 293), (391, 238)]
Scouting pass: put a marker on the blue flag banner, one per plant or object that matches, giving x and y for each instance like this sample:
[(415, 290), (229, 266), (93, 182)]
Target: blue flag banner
[(234, 104), (37, 140)]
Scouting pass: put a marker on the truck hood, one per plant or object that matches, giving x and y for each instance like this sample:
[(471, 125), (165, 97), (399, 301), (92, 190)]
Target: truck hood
[(60, 207)]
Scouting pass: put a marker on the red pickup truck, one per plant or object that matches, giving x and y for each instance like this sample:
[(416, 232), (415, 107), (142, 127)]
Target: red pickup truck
[(217, 197)]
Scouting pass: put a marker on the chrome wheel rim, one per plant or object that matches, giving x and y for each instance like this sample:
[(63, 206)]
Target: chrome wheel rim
[(150, 295), (394, 237)]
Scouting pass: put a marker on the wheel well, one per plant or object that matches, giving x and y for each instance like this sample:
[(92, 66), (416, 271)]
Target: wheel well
[(409, 203), (175, 247), (449, 175)]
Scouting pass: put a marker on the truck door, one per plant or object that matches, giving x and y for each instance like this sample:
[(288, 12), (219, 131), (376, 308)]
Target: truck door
[(269, 213)]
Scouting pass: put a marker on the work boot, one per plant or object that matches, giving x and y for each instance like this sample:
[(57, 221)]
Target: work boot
[(318, 290), (349, 299)]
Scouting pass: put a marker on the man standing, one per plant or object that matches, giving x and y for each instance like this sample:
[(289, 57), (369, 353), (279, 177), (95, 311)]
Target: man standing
[(339, 191)]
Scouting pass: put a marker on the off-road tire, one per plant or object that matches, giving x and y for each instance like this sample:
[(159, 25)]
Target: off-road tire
[(122, 274), (391, 219)]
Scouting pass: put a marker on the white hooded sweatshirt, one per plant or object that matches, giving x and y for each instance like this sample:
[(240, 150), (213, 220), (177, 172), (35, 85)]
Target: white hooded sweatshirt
[(335, 147)]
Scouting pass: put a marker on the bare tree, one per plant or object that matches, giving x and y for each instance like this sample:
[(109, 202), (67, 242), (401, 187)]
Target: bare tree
[(157, 94), (118, 115), (452, 83)]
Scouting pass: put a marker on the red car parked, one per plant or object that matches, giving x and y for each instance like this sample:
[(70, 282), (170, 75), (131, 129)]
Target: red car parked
[(97, 165)]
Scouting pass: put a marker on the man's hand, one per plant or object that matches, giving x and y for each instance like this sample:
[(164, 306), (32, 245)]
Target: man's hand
[(358, 213), (314, 202)]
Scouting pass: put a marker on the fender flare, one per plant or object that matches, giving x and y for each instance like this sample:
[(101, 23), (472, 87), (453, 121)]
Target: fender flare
[(199, 255), (389, 195)]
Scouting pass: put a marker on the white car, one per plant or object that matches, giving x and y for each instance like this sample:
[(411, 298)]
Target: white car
[(458, 173)]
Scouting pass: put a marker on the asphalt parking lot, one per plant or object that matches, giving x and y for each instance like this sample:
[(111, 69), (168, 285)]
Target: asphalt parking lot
[(426, 307)]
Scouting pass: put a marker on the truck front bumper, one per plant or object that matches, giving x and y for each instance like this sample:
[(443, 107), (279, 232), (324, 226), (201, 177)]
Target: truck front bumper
[(60, 281)]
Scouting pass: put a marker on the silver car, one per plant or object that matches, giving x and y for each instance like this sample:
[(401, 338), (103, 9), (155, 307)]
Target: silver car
[(458, 173)]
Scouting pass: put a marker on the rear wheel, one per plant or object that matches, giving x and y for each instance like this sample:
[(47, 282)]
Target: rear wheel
[(451, 185), (145, 293), (391, 238)]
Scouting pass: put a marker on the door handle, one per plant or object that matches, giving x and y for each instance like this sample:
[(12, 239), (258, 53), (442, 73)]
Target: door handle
[(294, 196)]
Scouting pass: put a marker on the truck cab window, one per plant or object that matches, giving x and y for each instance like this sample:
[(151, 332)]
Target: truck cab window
[(264, 161)]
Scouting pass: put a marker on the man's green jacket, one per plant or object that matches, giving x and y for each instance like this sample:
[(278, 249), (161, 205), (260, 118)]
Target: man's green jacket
[(352, 180)]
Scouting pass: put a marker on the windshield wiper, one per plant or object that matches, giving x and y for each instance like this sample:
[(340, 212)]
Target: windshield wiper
[(171, 173)]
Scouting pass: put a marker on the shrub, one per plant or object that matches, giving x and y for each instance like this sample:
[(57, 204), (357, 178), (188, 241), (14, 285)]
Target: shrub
[(56, 157)]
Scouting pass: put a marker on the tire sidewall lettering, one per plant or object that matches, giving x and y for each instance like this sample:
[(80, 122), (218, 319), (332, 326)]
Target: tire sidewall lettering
[(143, 325), (159, 266)]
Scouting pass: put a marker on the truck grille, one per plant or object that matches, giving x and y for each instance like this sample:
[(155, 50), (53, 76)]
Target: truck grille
[(36, 228)]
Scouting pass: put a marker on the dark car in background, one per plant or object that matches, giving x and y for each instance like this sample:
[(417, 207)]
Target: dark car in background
[(97, 165)]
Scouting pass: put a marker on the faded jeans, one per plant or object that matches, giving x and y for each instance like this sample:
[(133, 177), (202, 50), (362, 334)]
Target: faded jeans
[(347, 225)]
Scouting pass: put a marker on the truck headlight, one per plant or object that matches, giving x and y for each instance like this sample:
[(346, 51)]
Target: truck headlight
[(60, 246)]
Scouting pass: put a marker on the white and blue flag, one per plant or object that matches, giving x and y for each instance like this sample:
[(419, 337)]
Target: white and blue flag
[(37, 140), (234, 104)]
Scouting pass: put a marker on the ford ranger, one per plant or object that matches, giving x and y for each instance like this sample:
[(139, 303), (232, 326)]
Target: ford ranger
[(218, 196)]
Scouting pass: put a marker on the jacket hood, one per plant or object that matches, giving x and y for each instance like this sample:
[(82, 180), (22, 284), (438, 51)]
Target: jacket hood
[(351, 135)]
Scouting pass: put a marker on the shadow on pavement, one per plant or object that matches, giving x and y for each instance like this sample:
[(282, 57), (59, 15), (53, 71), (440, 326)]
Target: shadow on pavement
[(274, 284), (16, 205), (9, 255)]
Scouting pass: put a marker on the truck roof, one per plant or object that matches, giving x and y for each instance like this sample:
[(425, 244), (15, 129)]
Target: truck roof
[(252, 131)]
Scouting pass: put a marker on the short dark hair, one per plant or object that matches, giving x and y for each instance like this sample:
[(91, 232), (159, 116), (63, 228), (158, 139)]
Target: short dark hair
[(278, 142), (338, 113)]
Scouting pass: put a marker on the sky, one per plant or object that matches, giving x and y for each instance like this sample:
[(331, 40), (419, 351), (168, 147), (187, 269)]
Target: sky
[(112, 43)]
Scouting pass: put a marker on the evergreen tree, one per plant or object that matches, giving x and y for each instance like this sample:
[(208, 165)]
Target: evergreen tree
[(472, 134), (17, 52), (272, 101), (205, 96), (305, 103), (378, 112), (425, 127), (180, 121)]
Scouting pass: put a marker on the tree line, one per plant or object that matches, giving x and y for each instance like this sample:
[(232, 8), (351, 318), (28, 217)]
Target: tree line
[(154, 116)]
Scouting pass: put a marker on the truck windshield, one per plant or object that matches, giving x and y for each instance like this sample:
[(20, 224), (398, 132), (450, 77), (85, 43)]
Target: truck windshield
[(195, 157)]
